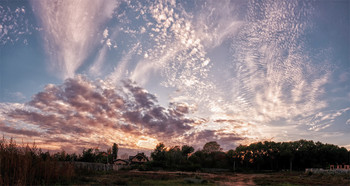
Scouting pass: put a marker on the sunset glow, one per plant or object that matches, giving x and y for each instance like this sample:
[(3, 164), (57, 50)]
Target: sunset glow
[(85, 74)]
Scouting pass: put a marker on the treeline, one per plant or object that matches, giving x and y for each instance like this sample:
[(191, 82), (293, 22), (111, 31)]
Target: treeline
[(28, 165), (267, 155), (93, 155), (296, 155)]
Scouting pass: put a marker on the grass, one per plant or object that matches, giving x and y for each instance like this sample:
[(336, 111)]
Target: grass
[(141, 178), (299, 178), (193, 178), (25, 165)]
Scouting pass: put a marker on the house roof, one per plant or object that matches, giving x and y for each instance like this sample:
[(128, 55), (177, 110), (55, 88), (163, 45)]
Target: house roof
[(126, 161), (139, 156)]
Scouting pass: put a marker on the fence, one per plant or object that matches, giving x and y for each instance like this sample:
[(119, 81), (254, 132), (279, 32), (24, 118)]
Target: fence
[(94, 166), (327, 171)]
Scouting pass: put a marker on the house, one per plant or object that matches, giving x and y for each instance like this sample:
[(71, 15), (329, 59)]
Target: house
[(138, 159), (121, 162), (339, 167)]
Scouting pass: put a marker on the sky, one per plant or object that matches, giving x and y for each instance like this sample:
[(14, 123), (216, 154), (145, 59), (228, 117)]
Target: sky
[(81, 74)]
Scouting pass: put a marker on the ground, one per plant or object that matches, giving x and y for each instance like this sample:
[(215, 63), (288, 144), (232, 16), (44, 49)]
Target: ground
[(196, 178)]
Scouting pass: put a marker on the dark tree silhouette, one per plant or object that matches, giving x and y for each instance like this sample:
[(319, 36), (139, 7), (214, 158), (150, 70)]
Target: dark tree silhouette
[(115, 151)]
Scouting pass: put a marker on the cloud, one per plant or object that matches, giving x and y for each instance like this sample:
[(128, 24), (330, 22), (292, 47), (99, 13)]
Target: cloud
[(88, 113), (14, 24), (96, 112), (217, 22), (233, 71), (23, 132), (226, 140), (273, 75), (168, 38), (324, 120), (14, 96), (70, 30), (105, 33), (268, 76), (120, 72)]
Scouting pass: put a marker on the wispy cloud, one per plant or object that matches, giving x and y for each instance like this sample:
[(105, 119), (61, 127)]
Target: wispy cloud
[(324, 120), (120, 72), (70, 30), (273, 74), (14, 25)]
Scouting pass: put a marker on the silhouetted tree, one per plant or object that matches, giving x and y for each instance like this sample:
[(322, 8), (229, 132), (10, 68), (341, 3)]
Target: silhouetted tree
[(186, 150), (115, 151), (158, 155), (88, 155)]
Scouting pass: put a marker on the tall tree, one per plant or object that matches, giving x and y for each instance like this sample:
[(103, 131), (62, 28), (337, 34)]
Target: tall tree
[(115, 151)]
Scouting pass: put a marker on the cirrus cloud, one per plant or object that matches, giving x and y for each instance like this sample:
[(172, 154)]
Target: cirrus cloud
[(70, 30)]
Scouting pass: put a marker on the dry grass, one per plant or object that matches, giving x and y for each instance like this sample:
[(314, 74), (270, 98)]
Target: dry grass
[(296, 178), (182, 178), (164, 178), (25, 165)]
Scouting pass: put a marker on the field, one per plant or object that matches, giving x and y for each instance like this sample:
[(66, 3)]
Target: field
[(194, 178)]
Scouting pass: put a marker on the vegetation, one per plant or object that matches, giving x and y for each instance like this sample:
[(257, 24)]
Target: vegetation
[(198, 178), (296, 155), (295, 178), (267, 155), (28, 165), (25, 165)]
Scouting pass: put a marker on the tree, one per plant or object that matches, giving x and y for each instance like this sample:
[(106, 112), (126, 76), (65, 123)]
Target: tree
[(115, 151), (186, 150), (158, 155), (88, 155), (210, 147)]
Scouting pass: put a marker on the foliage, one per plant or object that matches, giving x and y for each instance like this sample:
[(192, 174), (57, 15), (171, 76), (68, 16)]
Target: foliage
[(296, 155), (174, 158), (25, 165), (267, 155)]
